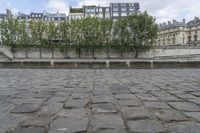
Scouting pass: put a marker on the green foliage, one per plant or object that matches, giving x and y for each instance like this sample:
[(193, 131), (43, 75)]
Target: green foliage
[(135, 33)]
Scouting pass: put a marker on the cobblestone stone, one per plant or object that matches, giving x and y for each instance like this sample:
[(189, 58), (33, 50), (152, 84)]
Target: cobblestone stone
[(100, 101)]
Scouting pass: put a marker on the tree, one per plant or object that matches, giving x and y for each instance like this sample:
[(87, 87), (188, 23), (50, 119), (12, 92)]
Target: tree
[(106, 27), (121, 34), (142, 32), (76, 35), (23, 36), (64, 33)]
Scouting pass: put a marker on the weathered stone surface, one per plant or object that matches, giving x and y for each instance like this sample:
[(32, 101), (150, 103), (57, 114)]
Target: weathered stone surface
[(120, 130), (184, 127), (170, 99), (69, 125), (145, 126), (169, 115), (80, 96), (103, 99), (29, 130), (106, 121), (135, 113), (9, 121), (102, 92), (76, 104), (119, 89), (37, 122), (57, 99), (50, 109), (194, 115), (74, 113), (185, 106), (62, 94), (125, 97), (5, 107), (156, 105), (147, 97), (129, 103), (104, 108), (25, 108)]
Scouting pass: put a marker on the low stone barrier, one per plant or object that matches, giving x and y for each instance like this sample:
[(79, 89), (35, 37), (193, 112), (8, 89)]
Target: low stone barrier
[(101, 64)]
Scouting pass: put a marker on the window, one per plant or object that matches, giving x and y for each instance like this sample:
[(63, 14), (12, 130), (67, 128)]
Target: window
[(92, 10), (195, 38), (100, 15), (115, 9), (100, 10), (189, 39), (107, 10), (131, 9), (123, 9), (173, 41), (124, 14), (115, 14), (87, 10)]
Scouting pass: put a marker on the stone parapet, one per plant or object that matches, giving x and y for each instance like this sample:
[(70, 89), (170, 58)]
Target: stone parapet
[(99, 64)]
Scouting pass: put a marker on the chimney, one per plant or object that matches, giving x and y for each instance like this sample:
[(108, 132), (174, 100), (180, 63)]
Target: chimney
[(183, 21)]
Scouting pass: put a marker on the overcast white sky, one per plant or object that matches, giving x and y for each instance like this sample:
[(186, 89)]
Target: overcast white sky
[(163, 10)]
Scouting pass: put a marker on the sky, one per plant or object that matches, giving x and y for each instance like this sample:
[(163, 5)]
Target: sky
[(162, 10)]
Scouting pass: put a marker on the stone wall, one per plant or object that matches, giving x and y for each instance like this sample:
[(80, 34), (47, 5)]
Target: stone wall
[(99, 64), (35, 53)]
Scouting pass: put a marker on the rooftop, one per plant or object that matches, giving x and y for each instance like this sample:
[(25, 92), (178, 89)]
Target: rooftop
[(174, 24)]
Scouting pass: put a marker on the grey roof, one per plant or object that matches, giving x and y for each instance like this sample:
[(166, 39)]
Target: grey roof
[(55, 15), (175, 24)]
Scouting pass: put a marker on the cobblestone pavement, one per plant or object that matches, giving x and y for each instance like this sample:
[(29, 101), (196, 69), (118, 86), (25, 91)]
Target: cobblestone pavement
[(100, 101)]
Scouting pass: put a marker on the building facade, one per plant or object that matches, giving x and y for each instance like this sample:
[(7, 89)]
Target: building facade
[(120, 10), (75, 13), (36, 16), (179, 33), (22, 16), (57, 17), (96, 11)]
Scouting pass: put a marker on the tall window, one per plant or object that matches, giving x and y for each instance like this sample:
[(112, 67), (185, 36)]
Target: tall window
[(195, 38), (173, 40)]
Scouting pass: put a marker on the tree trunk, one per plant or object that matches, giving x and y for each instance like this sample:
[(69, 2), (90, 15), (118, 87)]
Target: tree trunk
[(26, 53), (40, 52), (136, 54), (79, 52), (122, 56), (108, 55), (52, 49), (93, 51)]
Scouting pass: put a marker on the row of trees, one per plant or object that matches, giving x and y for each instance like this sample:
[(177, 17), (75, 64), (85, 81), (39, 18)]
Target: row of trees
[(135, 33)]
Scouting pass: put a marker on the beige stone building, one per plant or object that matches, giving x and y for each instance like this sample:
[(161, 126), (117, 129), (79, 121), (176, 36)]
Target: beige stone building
[(179, 33)]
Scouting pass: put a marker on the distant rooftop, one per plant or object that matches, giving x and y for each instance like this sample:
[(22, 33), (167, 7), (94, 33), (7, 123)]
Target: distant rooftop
[(174, 24)]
